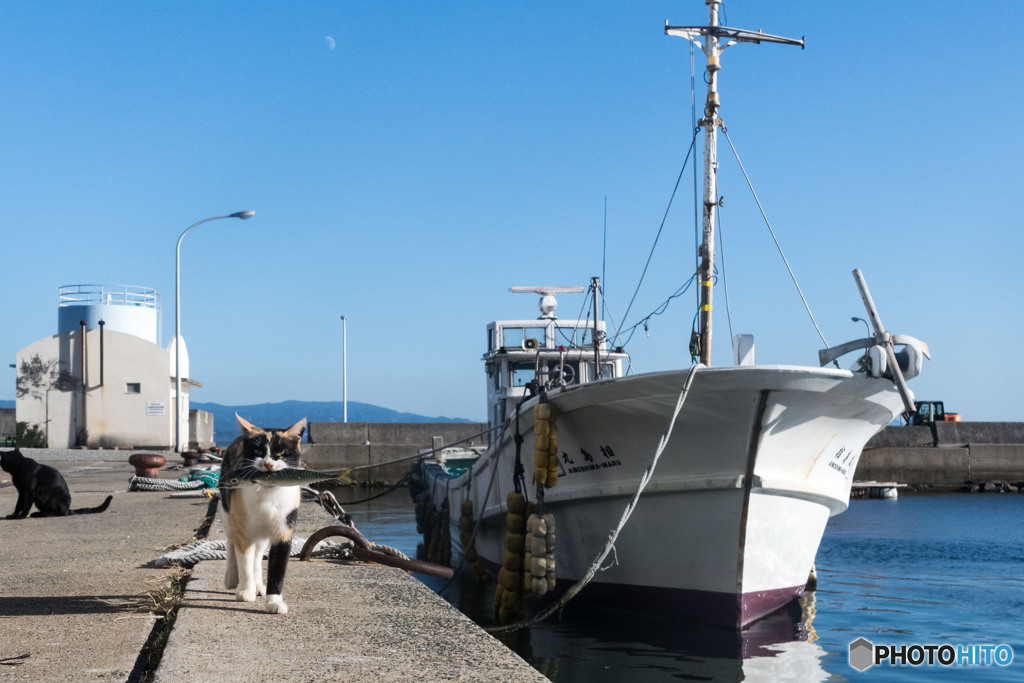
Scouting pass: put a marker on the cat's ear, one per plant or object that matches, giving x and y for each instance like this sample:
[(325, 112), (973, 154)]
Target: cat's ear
[(297, 429), (246, 427)]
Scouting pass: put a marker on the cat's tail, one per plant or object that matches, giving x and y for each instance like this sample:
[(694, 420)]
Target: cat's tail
[(98, 508)]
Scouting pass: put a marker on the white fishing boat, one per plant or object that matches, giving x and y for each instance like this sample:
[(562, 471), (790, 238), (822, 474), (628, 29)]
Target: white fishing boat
[(737, 468)]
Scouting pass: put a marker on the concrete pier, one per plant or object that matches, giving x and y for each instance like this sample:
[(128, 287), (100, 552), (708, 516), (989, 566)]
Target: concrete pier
[(75, 600), (945, 454), (382, 450)]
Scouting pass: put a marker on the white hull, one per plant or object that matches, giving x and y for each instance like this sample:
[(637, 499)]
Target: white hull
[(727, 529)]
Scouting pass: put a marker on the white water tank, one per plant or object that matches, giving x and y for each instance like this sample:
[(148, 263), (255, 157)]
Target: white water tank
[(122, 308)]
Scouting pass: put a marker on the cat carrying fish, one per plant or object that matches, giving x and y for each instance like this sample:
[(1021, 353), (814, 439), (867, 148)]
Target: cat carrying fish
[(261, 517), (42, 486)]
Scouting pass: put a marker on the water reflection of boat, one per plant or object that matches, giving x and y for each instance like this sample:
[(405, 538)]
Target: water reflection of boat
[(591, 643), (750, 460)]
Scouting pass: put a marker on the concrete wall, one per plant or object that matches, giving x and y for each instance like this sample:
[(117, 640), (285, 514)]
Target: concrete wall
[(945, 454), (950, 434), (334, 445), (200, 430), (8, 424), (132, 406)]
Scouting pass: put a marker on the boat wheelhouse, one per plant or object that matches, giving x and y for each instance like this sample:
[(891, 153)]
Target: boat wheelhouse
[(525, 355)]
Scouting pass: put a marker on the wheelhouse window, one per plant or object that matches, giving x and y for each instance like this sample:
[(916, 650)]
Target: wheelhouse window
[(514, 336), (522, 374), (570, 336)]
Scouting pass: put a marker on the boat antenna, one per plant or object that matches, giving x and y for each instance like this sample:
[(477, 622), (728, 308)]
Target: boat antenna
[(710, 40), (604, 254)]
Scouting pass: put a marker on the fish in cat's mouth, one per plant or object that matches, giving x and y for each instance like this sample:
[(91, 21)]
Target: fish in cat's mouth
[(270, 465)]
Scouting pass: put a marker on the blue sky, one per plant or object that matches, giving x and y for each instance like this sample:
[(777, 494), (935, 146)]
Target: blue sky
[(408, 162)]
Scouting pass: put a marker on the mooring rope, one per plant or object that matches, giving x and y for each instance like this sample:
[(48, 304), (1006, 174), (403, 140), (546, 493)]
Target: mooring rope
[(151, 484), (196, 551), (614, 534)]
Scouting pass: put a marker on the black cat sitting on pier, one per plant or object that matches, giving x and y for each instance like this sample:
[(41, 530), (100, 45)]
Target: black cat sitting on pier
[(42, 486)]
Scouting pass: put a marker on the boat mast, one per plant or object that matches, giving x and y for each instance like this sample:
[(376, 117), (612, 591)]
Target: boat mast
[(596, 337), (707, 39)]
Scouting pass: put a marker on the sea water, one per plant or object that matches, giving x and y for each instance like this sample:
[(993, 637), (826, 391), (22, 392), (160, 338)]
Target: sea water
[(909, 576)]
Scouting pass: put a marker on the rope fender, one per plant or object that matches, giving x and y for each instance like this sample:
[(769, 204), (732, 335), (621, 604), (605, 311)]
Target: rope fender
[(545, 434), (362, 550)]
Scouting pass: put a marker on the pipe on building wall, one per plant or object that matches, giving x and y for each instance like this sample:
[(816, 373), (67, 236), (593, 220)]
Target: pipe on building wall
[(84, 424), (101, 352)]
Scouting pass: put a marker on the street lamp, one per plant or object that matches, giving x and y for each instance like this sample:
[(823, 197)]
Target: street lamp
[(344, 368), (177, 321), (856, 319)]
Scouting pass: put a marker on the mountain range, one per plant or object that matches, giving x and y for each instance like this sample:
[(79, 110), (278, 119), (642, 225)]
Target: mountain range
[(287, 413)]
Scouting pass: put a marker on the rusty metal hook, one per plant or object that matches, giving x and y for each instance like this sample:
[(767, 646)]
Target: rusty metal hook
[(362, 550)]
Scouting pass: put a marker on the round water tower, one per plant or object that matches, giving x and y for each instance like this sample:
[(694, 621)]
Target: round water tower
[(122, 308)]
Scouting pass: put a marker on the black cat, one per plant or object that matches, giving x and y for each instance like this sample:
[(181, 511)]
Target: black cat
[(41, 485)]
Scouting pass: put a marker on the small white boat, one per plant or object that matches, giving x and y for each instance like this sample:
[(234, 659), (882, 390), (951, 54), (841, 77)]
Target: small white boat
[(748, 461)]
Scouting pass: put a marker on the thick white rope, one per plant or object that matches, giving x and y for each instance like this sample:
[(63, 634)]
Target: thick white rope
[(197, 551), (151, 484)]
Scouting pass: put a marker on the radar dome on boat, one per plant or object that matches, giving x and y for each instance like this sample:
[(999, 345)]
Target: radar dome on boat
[(548, 304)]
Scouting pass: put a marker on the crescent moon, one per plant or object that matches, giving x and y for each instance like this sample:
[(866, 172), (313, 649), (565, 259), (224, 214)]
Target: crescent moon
[(330, 42)]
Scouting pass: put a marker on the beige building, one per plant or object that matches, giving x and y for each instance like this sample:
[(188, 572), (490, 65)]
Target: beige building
[(103, 381)]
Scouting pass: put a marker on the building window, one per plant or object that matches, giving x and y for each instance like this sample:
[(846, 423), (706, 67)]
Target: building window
[(133, 388)]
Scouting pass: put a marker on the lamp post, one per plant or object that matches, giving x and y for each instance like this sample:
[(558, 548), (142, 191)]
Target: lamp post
[(344, 368), (856, 319), (177, 321)]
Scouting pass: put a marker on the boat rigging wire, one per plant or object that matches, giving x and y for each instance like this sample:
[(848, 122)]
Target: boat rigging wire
[(576, 325), (629, 360), (604, 248), (664, 218), (661, 308), (626, 513), (776, 240), (725, 280), (619, 330), (696, 184), (401, 483)]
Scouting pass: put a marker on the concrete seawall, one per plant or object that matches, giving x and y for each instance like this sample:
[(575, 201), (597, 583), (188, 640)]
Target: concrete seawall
[(383, 450), (945, 454)]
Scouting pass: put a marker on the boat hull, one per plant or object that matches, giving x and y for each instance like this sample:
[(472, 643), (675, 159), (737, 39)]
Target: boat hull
[(728, 526)]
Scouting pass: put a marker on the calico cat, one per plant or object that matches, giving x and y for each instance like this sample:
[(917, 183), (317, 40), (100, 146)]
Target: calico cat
[(42, 486), (261, 517)]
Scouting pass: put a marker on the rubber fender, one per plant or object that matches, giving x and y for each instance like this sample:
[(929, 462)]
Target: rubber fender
[(516, 502)]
